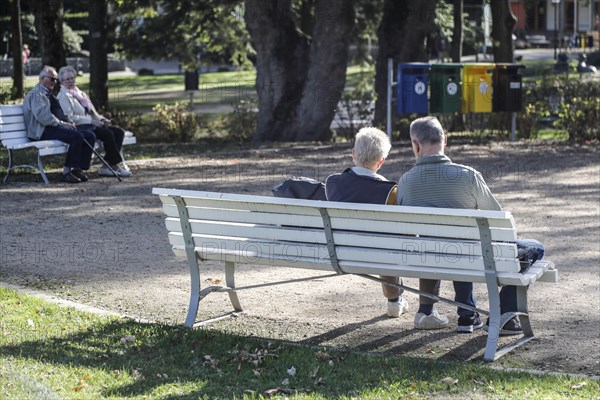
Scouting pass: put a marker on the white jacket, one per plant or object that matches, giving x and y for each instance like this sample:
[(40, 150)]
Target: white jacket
[(74, 110)]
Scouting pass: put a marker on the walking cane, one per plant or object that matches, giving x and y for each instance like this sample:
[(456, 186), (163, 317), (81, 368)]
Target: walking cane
[(103, 161)]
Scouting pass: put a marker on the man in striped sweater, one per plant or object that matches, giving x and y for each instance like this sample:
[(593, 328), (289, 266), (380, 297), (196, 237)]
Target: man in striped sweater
[(435, 181)]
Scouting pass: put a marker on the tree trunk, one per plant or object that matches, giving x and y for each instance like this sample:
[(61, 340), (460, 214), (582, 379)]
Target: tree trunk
[(17, 48), (402, 34), (457, 32), (98, 53), (299, 80), (49, 15), (503, 22)]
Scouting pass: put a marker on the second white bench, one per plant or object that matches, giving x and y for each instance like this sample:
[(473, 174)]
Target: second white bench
[(13, 136)]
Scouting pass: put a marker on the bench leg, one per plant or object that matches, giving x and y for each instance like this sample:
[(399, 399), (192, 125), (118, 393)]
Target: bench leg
[(194, 294), (492, 352), (10, 165), (230, 281), (41, 169), (523, 311), (494, 321)]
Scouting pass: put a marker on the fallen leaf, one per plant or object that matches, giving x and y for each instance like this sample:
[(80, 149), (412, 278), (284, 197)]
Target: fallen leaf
[(291, 371), (87, 378), (214, 281), (128, 339), (331, 363), (79, 387), (256, 373), (285, 382), (271, 392), (322, 356), (30, 323), (449, 381), (578, 385)]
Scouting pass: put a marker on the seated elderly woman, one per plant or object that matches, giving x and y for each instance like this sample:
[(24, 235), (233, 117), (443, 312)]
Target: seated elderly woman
[(362, 184), (77, 105)]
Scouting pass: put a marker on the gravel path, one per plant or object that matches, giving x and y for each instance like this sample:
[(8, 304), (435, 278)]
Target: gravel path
[(103, 243)]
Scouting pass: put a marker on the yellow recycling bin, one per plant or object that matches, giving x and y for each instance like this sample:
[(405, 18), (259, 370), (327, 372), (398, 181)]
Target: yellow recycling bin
[(477, 87)]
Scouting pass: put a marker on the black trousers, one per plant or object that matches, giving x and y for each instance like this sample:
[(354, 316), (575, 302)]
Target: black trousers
[(112, 138)]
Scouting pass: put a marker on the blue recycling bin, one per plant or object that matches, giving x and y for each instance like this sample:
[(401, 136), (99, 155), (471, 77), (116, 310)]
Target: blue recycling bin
[(411, 93)]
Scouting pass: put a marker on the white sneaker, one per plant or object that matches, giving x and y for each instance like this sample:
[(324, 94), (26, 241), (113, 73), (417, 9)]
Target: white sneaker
[(104, 171), (394, 309), (122, 172), (433, 321)]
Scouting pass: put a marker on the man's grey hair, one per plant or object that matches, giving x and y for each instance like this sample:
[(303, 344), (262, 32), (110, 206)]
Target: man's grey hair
[(45, 70), (371, 145), (64, 70), (427, 130)]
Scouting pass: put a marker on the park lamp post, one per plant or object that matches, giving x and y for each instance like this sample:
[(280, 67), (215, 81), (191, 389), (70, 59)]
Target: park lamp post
[(556, 3)]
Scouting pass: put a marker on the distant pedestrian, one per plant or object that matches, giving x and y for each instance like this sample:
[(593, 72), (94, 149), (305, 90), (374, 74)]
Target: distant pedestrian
[(26, 53)]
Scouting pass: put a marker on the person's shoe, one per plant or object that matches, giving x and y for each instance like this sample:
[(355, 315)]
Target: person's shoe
[(79, 174), (70, 178), (123, 172), (469, 324), (104, 171), (512, 327), (432, 321), (395, 308)]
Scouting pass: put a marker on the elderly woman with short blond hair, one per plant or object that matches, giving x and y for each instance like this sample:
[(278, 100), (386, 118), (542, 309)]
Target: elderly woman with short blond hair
[(78, 106)]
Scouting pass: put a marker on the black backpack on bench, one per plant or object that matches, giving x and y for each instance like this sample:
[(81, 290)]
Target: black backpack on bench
[(300, 187)]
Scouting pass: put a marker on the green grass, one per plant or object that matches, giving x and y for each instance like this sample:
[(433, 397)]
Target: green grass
[(551, 134), (47, 351)]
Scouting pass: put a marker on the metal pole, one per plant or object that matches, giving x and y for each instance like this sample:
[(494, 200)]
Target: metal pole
[(390, 76), (555, 29), (513, 126)]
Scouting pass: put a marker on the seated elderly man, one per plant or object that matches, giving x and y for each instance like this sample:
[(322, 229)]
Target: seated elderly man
[(45, 120), (435, 181), (362, 184)]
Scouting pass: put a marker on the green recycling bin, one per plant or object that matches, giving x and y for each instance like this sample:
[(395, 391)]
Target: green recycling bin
[(446, 88)]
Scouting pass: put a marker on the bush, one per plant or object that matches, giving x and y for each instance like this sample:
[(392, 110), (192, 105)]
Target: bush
[(565, 103), (241, 123), (175, 122)]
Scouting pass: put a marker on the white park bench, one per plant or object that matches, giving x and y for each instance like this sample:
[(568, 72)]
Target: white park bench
[(13, 136), (362, 239)]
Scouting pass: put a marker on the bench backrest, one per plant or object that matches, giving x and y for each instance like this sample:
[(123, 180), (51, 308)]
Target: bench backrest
[(12, 125), (374, 239)]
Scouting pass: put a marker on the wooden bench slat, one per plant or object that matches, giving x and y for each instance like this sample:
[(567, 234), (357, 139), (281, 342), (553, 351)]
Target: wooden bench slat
[(10, 120), (346, 238), (406, 271), (17, 134), (498, 219), (251, 248), (11, 109), (348, 223)]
